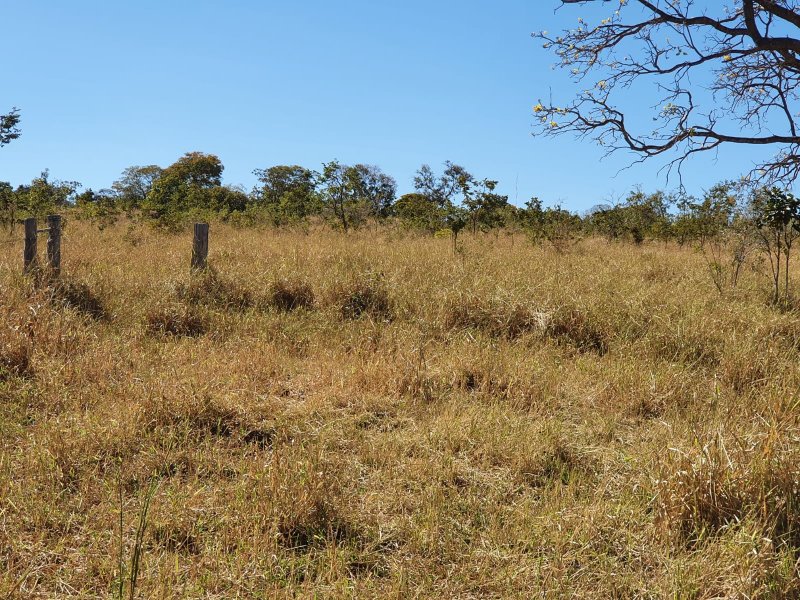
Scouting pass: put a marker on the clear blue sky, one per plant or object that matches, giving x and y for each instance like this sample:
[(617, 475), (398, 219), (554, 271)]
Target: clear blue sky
[(103, 85)]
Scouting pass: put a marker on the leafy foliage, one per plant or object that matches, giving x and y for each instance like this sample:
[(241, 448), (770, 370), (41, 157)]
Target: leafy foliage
[(286, 193), (777, 218), (9, 127)]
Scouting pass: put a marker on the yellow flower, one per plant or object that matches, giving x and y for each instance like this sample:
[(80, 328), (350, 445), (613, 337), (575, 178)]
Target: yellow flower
[(553, 124), (727, 58), (538, 108)]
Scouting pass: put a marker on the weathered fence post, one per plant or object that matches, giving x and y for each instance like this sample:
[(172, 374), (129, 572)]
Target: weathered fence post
[(200, 246), (54, 243), (29, 254)]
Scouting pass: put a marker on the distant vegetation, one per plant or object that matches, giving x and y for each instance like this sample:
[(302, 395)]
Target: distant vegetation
[(728, 222)]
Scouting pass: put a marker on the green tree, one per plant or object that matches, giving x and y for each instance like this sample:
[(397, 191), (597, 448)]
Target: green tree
[(447, 193), (222, 198), (706, 220), (354, 193), (445, 190), (287, 193), (336, 197), (560, 227), (102, 207), (531, 219), (44, 196), (372, 187), (197, 169), (193, 182), (777, 216), (9, 127), (135, 183), (485, 208), (646, 215), (8, 204), (416, 211), (607, 220)]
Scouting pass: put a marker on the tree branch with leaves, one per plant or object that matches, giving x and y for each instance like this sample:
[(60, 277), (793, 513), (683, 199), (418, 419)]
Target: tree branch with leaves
[(9, 127)]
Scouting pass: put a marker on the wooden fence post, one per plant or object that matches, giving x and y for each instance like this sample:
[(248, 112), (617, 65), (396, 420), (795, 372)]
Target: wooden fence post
[(54, 243), (29, 254), (200, 246)]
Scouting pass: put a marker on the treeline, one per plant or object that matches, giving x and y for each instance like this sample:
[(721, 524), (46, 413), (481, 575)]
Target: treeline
[(346, 196), (727, 222), (350, 196)]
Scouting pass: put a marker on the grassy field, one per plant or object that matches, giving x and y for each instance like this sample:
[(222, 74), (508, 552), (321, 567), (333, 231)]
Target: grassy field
[(372, 415)]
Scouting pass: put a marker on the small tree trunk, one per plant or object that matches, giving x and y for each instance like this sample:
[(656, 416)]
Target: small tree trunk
[(777, 274), (786, 270)]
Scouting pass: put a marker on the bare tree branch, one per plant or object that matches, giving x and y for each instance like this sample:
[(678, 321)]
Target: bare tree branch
[(747, 57)]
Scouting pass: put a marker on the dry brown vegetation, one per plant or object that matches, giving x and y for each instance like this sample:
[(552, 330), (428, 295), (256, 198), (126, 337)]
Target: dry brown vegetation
[(370, 415)]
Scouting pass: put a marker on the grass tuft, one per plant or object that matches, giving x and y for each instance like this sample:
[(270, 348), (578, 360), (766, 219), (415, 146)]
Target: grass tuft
[(177, 320), (706, 489), (77, 295), (497, 318), (575, 327), (210, 288), (366, 295), (290, 294), (15, 355)]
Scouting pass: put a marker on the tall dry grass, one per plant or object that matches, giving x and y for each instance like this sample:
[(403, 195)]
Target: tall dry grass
[(370, 415)]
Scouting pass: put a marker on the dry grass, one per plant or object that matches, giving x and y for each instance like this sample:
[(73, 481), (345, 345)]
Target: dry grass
[(371, 416), (290, 294)]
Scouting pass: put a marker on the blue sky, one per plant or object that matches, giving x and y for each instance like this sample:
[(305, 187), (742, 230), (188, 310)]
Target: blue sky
[(103, 85)]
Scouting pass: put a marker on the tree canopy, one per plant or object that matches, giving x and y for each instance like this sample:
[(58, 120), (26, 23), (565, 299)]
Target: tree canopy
[(135, 183), (9, 127), (189, 182)]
